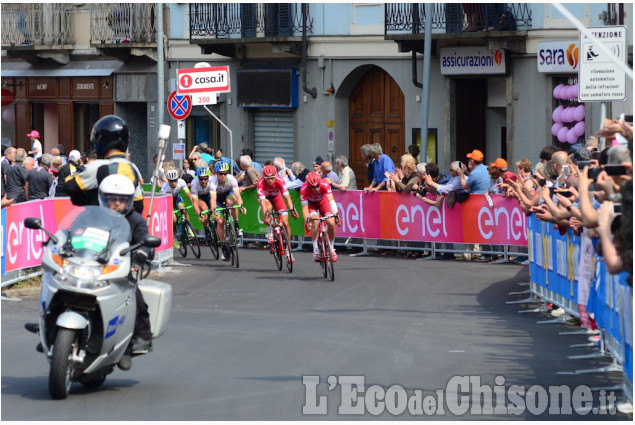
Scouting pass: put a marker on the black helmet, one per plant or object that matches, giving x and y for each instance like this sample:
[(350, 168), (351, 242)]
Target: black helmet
[(110, 132)]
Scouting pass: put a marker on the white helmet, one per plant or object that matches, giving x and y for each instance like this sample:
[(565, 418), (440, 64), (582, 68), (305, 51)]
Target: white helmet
[(117, 186), (172, 174)]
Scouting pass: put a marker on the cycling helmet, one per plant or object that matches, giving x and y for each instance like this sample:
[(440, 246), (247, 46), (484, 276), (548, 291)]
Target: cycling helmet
[(313, 178), (269, 171), (109, 132), (172, 174), (116, 186), (203, 172), (221, 167)]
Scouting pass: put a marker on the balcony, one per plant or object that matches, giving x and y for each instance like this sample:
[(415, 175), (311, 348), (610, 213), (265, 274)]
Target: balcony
[(225, 28), (35, 32), (495, 24)]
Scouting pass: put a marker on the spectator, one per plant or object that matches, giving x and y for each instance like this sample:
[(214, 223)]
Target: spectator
[(383, 163), (250, 153), (36, 145), (300, 171), (326, 170), (454, 185), (7, 160), (283, 170), (160, 170), (592, 144), (187, 168), (16, 176), (346, 177), (406, 177), (219, 156), (250, 175), (39, 180), (72, 166), (414, 151), (369, 162), (501, 165), (495, 178), (204, 151), (547, 152), (317, 164), (478, 179), (54, 170), (60, 151)]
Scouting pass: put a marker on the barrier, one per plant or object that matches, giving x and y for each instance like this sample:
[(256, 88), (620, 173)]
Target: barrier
[(22, 247), (565, 270)]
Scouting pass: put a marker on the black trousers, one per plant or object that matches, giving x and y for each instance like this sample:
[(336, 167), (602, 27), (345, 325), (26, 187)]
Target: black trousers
[(142, 322)]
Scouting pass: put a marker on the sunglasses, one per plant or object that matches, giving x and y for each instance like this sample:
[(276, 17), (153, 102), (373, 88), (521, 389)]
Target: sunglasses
[(121, 199), (222, 174), (203, 178), (270, 178)]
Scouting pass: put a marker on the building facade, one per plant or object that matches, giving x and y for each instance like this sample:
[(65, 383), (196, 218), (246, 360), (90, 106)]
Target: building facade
[(308, 80)]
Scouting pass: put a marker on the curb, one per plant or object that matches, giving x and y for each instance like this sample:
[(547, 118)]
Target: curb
[(22, 292)]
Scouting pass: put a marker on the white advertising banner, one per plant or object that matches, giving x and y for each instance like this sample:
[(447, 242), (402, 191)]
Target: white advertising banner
[(472, 61), (558, 56)]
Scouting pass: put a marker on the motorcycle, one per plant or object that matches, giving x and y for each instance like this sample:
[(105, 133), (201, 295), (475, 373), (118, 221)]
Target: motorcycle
[(87, 300)]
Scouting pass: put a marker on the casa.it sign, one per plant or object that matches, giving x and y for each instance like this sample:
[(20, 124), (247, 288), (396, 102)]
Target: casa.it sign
[(558, 56), (472, 61)]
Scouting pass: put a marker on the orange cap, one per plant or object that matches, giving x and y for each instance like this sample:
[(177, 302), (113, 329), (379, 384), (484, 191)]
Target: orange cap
[(499, 163), (476, 155)]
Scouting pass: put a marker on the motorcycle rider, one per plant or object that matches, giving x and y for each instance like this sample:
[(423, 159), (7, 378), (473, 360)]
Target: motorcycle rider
[(116, 192), (109, 140)]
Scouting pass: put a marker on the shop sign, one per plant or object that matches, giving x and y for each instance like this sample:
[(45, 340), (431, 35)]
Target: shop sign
[(472, 61), (558, 56), (7, 97)]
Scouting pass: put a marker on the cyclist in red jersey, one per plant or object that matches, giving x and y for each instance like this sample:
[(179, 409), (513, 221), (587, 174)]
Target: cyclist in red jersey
[(273, 194), (317, 200)]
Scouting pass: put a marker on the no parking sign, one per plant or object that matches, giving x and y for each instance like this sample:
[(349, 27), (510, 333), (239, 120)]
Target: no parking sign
[(179, 105), (331, 138)]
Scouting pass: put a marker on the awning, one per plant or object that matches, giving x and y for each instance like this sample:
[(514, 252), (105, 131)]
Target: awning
[(73, 69)]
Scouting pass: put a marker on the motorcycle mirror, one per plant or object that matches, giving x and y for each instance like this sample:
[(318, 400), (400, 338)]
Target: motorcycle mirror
[(32, 223), (152, 241), (36, 224)]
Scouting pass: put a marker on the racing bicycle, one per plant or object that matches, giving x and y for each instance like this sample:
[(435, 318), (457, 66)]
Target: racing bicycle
[(211, 236), (184, 235), (326, 261), (281, 246), (231, 238)]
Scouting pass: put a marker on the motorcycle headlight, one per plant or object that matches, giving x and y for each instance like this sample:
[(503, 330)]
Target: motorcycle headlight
[(82, 277)]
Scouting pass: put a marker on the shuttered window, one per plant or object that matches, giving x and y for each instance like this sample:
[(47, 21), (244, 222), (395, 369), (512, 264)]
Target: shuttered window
[(273, 136)]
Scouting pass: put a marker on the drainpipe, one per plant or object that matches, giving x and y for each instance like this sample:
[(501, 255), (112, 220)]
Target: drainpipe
[(425, 94), (415, 27), (313, 91), (414, 70)]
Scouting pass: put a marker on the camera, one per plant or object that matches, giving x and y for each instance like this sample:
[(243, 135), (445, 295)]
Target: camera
[(615, 170), (593, 173), (582, 164), (617, 208)]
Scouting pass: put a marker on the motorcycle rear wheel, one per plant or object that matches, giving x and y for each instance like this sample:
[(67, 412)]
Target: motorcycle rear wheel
[(62, 367)]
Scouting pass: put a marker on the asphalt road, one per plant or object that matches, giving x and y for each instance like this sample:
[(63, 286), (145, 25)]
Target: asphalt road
[(240, 341)]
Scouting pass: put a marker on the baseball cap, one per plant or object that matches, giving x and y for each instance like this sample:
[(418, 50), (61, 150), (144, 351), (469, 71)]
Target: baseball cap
[(33, 133), (499, 163), (74, 155), (476, 155)]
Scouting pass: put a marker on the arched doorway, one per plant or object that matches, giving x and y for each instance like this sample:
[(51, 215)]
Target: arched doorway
[(376, 115)]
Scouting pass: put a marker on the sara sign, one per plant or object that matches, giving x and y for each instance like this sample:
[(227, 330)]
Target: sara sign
[(558, 56), (203, 80), (471, 61)]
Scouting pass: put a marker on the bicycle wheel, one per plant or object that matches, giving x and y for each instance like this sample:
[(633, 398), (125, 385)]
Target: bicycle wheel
[(329, 266), (230, 236), (192, 239), (323, 254), (213, 240), (178, 236), (286, 249), (276, 250)]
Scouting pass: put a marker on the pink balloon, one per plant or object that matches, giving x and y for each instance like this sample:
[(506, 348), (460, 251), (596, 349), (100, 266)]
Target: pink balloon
[(570, 114), (556, 115), (574, 90), (556, 128), (562, 134), (8, 115), (578, 113), (579, 129), (571, 136), (556, 91), (565, 116)]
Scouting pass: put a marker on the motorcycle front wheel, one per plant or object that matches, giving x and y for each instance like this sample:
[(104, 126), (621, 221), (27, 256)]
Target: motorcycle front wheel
[(62, 365)]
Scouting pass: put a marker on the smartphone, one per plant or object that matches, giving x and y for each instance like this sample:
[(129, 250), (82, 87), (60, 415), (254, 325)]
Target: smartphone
[(542, 182), (615, 170), (564, 193), (582, 164), (593, 173), (627, 118), (566, 170)]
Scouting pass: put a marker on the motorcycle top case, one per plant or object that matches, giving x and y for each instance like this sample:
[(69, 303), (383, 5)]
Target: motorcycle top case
[(158, 296)]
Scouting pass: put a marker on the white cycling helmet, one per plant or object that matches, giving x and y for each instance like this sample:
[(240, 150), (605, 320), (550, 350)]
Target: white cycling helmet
[(117, 186), (172, 174)]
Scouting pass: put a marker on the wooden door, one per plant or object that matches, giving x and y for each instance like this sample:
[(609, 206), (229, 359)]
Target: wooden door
[(376, 115)]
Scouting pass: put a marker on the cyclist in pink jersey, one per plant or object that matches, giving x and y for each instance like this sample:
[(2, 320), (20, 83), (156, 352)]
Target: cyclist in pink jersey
[(273, 194), (317, 200)]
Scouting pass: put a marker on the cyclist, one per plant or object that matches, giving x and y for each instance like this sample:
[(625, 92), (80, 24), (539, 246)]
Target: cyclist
[(317, 199), (173, 186), (200, 195), (273, 193), (224, 189)]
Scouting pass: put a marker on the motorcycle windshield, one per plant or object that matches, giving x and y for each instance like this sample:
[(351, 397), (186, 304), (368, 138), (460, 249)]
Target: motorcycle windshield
[(92, 229)]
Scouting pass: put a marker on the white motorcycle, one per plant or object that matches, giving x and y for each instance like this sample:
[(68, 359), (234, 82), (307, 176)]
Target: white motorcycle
[(87, 301)]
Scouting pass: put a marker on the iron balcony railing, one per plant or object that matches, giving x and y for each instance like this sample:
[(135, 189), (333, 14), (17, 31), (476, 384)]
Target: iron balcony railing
[(457, 17), (31, 24), (247, 20), (113, 23)]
